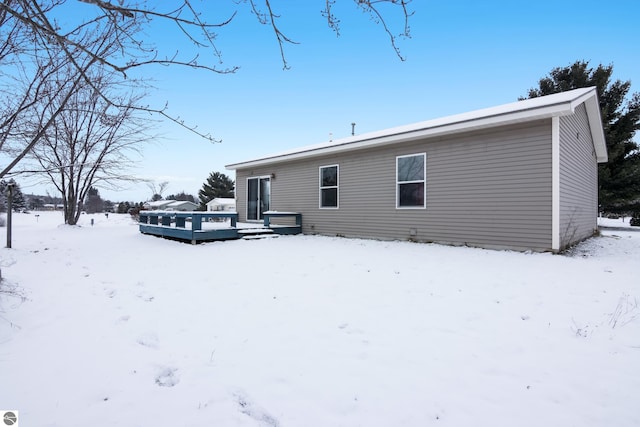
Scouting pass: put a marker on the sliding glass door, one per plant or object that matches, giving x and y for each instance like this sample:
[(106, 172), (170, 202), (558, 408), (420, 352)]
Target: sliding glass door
[(258, 197)]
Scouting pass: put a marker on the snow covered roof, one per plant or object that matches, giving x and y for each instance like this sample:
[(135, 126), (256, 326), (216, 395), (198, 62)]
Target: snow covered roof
[(158, 203), (171, 204), (222, 201), (559, 104), (181, 203)]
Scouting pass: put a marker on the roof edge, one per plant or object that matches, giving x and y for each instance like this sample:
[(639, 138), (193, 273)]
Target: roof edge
[(592, 105), (559, 104)]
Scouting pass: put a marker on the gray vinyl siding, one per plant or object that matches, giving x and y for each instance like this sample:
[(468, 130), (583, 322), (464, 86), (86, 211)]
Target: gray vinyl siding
[(578, 179), (488, 188)]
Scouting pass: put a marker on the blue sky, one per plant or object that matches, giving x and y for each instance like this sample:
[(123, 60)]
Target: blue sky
[(463, 55)]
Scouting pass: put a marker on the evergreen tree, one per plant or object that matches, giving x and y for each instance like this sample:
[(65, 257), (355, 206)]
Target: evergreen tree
[(619, 178), (3, 197), (18, 201), (94, 202), (217, 185)]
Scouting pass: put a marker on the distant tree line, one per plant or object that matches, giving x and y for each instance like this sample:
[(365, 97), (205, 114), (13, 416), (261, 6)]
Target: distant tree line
[(217, 185), (129, 207), (93, 203)]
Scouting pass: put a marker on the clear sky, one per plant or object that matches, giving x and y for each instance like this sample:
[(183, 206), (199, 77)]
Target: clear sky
[(463, 55)]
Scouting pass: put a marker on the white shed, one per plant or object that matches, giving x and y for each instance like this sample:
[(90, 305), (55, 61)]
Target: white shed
[(221, 204)]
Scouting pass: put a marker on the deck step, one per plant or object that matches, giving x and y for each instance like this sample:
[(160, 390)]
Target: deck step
[(253, 231), (256, 233), (259, 236)]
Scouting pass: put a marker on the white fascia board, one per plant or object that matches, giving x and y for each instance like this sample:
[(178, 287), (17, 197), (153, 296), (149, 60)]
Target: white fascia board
[(590, 100), (597, 132)]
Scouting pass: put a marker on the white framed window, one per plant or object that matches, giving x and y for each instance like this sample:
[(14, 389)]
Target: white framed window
[(329, 183), (411, 189)]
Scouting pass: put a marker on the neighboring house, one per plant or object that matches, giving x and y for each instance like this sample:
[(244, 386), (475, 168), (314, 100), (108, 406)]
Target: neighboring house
[(171, 205), (221, 204), (52, 207), (157, 205), (518, 176)]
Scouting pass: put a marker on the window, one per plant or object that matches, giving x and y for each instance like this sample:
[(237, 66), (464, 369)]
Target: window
[(329, 186), (410, 181)]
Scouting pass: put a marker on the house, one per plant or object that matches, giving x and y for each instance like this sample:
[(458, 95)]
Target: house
[(171, 205), (52, 207), (519, 176), (221, 204)]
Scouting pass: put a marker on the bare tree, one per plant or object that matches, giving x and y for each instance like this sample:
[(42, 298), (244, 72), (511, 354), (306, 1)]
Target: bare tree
[(157, 189), (35, 46), (89, 141)]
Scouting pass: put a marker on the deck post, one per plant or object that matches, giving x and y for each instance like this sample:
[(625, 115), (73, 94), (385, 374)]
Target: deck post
[(196, 222)]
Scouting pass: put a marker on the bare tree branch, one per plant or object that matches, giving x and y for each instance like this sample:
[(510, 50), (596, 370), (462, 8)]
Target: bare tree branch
[(90, 139), (372, 8), (34, 46)]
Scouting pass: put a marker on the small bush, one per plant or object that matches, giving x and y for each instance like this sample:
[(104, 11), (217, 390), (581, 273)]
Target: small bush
[(3, 221), (635, 221)]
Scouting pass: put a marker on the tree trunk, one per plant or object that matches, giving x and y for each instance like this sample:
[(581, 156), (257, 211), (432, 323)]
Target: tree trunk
[(70, 209)]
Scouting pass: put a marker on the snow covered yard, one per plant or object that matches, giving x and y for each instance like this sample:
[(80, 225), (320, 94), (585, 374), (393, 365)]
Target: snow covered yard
[(103, 326)]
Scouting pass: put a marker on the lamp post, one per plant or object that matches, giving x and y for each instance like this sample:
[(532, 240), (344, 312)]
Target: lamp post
[(10, 188)]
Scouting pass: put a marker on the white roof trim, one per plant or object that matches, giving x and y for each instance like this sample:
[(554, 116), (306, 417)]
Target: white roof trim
[(555, 105)]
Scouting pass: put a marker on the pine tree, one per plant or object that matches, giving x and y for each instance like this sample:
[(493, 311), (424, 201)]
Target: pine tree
[(94, 202), (619, 178), (218, 185), (18, 201)]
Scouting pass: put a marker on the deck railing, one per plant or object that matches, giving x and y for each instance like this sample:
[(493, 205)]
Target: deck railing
[(174, 225), (166, 218)]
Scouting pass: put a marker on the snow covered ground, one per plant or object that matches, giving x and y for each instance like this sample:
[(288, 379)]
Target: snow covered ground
[(103, 326)]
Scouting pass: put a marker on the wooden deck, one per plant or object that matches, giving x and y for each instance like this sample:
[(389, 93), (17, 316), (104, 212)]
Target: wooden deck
[(194, 227)]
